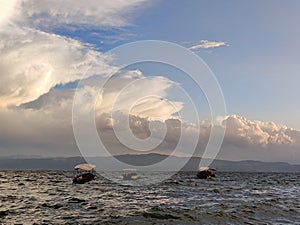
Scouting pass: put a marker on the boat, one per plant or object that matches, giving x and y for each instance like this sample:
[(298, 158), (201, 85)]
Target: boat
[(130, 174), (84, 173), (205, 173)]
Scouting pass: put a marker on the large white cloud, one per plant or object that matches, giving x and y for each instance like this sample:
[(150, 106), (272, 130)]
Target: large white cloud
[(7, 10), (257, 133), (46, 124), (143, 96), (245, 139), (53, 13), (32, 62)]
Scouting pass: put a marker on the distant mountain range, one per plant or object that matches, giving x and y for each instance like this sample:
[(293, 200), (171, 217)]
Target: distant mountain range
[(143, 160)]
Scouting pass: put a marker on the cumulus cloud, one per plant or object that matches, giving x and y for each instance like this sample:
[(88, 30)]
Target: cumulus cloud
[(136, 94), (207, 44), (39, 132), (33, 62), (51, 14), (267, 141), (257, 133), (46, 124), (8, 10), (244, 139)]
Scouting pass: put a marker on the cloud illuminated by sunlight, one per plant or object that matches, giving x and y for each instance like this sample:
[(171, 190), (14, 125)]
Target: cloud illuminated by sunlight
[(207, 44)]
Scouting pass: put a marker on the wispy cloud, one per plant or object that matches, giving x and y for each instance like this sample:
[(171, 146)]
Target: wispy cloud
[(205, 44)]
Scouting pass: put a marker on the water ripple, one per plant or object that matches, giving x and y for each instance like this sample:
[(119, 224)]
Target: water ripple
[(49, 197)]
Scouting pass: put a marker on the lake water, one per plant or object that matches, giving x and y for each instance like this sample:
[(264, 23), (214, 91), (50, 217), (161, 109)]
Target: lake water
[(49, 197)]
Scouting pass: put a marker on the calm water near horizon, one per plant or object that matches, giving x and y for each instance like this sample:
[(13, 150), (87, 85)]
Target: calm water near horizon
[(49, 197)]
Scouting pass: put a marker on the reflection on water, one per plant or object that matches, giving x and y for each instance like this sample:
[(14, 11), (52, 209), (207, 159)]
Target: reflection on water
[(49, 197)]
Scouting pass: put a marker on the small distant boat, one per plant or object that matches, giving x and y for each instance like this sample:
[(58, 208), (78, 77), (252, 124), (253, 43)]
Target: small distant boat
[(130, 174), (84, 173), (205, 173)]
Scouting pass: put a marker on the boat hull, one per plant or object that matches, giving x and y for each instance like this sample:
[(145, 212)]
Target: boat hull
[(83, 178), (205, 174)]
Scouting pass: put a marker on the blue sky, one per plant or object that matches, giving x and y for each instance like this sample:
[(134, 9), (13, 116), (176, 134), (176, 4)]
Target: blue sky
[(258, 71)]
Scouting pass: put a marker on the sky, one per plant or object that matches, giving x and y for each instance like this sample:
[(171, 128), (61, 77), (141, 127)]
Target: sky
[(252, 48)]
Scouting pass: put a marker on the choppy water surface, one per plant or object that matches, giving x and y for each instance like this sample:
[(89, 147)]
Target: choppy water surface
[(49, 197)]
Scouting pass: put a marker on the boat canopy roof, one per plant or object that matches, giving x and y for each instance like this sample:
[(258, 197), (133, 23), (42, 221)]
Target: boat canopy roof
[(86, 167), (130, 170), (203, 168)]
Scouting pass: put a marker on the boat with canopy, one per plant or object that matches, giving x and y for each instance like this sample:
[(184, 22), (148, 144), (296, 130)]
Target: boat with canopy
[(130, 174), (205, 172), (84, 173)]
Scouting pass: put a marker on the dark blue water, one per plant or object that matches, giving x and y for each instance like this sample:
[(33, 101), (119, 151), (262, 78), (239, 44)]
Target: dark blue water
[(49, 197)]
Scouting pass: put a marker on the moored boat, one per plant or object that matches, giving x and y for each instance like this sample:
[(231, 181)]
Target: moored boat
[(84, 173), (130, 174), (205, 173)]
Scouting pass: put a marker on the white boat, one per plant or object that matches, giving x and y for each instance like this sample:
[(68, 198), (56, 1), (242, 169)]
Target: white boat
[(130, 174)]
